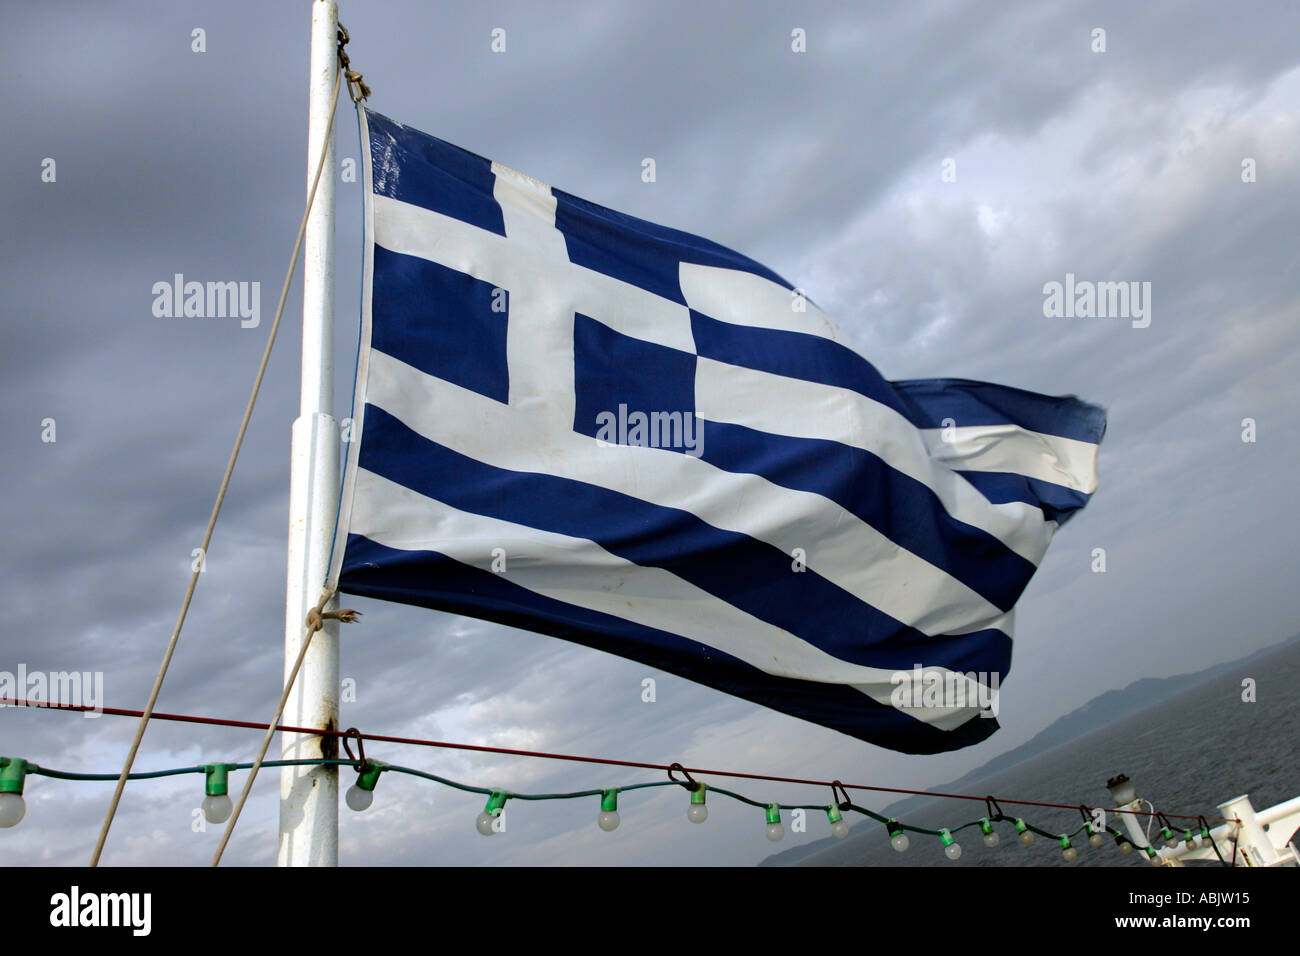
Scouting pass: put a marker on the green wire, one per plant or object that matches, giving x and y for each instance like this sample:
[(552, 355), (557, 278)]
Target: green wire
[(469, 788)]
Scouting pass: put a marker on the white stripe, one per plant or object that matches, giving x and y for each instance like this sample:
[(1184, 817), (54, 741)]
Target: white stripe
[(1010, 448), (539, 333), (839, 546), (580, 572), (802, 409), (744, 298), (507, 264)]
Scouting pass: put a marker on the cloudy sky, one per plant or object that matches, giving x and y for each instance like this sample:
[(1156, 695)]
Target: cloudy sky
[(825, 165)]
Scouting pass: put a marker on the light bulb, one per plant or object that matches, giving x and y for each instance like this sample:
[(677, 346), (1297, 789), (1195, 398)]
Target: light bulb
[(1125, 847), (608, 820), (362, 793), (839, 826), (1026, 834), (774, 829), (990, 835), (951, 848), (216, 802), (217, 808), (697, 812), (1096, 839), (1067, 850), (12, 809), (359, 799), (897, 836), (486, 822)]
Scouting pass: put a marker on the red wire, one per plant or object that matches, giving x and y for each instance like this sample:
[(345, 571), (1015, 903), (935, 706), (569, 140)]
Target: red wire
[(606, 761)]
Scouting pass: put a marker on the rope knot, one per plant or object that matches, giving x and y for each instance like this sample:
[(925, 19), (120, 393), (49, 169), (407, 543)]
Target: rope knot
[(316, 618), (357, 88)]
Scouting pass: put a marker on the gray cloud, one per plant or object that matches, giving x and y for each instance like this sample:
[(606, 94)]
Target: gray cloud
[(825, 166)]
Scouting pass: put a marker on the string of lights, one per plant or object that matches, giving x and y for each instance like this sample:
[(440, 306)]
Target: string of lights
[(354, 734), (217, 805)]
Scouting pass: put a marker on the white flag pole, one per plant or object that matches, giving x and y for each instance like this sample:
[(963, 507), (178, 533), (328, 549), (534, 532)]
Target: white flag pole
[(309, 797)]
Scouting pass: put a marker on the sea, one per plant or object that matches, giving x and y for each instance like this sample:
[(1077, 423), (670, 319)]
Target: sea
[(1186, 754)]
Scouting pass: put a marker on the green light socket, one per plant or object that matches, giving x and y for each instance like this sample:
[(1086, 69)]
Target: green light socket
[(609, 798), (697, 795), (773, 813), (13, 771), (368, 778), (496, 802), (833, 814), (893, 827), (946, 838), (216, 778), (985, 826)]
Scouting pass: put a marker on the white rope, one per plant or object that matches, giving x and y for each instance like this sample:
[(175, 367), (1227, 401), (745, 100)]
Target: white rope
[(315, 621), (216, 510)]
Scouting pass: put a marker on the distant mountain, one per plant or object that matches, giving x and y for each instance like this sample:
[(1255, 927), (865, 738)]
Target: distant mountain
[(1097, 713)]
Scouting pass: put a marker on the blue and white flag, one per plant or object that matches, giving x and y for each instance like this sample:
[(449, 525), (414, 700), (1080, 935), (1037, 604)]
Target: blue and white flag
[(589, 426)]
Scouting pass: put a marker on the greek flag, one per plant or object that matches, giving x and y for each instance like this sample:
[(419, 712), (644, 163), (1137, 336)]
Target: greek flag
[(590, 426)]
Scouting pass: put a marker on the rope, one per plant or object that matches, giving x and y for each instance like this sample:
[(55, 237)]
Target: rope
[(605, 761), (314, 623), (357, 88), (216, 507), (316, 617)]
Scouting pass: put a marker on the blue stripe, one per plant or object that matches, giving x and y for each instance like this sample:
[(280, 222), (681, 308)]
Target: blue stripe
[(924, 402), (638, 252), (927, 402), (434, 580), (901, 508), (748, 574), (1058, 502), (441, 321), (792, 354), (423, 170)]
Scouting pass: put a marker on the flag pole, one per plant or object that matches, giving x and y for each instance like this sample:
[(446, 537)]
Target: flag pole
[(309, 796)]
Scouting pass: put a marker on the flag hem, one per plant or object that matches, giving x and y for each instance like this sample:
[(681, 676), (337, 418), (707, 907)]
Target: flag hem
[(363, 358)]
